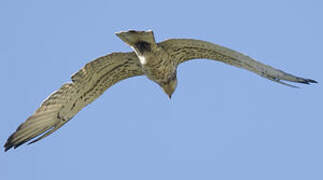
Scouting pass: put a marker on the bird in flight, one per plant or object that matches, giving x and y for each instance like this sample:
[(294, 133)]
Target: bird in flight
[(157, 61)]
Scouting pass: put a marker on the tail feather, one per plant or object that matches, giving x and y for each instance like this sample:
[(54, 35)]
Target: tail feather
[(131, 37)]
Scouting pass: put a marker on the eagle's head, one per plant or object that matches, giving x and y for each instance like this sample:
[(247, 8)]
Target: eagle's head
[(170, 85)]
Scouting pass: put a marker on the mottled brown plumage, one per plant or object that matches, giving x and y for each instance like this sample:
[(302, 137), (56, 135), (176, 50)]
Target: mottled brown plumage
[(158, 61)]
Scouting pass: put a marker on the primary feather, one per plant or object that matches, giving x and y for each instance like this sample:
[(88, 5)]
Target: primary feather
[(87, 85), (183, 50)]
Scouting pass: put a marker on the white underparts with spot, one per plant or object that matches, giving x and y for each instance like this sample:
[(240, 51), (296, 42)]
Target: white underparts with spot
[(142, 60)]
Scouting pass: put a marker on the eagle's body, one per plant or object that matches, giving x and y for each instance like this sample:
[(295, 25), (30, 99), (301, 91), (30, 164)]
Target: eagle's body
[(158, 61)]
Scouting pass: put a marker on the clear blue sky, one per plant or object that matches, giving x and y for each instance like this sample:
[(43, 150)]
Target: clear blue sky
[(222, 122)]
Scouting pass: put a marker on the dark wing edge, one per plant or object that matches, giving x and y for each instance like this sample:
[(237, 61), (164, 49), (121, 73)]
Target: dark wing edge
[(87, 85), (182, 50)]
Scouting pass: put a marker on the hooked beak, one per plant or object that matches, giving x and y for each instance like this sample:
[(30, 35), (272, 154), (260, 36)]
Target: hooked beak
[(170, 88), (168, 91)]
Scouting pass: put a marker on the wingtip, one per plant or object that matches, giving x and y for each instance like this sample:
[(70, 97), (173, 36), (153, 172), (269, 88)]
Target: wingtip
[(6, 148), (311, 81), (307, 81), (10, 144)]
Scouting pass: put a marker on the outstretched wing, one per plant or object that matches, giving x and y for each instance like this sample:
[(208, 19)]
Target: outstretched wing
[(182, 50), (87, 85)]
